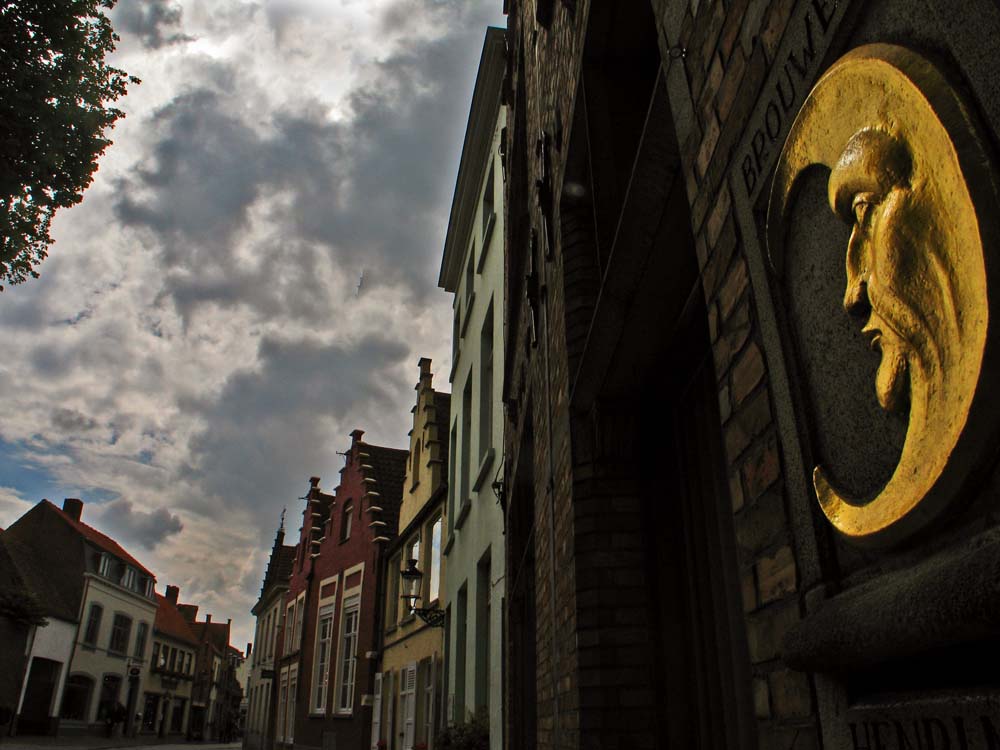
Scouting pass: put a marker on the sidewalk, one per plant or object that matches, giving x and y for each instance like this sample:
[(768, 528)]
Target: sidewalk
[(104, 743)]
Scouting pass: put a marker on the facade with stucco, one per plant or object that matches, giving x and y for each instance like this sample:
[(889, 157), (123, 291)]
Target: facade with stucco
[(473, 271)]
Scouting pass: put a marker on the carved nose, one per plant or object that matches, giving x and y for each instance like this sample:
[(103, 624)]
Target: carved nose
[(856, 298)]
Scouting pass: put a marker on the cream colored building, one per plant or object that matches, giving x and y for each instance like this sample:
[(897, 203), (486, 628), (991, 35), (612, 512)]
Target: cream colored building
[(407, 699), (473, 270)]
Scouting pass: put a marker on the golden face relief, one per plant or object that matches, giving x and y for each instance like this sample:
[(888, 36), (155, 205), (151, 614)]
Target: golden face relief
[(889, 127)]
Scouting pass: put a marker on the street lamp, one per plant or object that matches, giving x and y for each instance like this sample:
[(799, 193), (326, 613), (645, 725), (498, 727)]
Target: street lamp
[(433, 616)]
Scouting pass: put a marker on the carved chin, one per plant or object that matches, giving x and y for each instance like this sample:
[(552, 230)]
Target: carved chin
[(892, 383)]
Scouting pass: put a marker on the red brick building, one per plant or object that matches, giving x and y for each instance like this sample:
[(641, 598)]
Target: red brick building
[(325, 665)]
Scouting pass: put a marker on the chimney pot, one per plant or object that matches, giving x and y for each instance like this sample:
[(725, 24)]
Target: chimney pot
[(73, 507), (208, 618), (356, 435)]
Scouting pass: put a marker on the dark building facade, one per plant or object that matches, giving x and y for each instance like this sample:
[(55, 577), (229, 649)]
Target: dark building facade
[(729, 523)]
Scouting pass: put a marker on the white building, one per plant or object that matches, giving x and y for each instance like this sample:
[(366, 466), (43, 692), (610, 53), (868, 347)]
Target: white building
[(258, 731), (473, 270), (112, 594)]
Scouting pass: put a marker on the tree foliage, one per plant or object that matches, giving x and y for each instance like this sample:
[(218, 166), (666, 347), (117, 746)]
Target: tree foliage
[(54, 91)]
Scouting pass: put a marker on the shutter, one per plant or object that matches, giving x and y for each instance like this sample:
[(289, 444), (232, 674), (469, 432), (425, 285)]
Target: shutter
[(409, 705), (431, 703), (377, 712), (391, 710)]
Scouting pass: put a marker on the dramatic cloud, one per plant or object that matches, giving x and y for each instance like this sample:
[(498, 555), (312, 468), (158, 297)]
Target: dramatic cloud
[(155, 22), (121, 520), (199, 343)]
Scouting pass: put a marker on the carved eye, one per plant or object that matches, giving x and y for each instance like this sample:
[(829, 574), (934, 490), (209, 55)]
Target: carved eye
[(861, 205)]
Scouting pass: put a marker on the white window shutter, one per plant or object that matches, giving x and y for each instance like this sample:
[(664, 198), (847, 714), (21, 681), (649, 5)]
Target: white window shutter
[(377, 712), (390, 713), (409, 705)]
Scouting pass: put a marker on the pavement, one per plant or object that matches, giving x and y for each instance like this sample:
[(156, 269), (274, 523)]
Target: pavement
[(108, 743)]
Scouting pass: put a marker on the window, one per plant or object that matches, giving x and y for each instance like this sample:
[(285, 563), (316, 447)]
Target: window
[(470, 278), (293, 680), (348, 646), (187, 663), (434, 562), (430, 678), (464, 467), (416, 464), (461, 631), (300, 606), (453, 470), (156, 655), (408, 699), (129, 578), (392, 608), (324, 634), (177, 718), (93, 625), (172, 664), (456, 334), (482, 634), (345, 521), (489, 214), (107, 564), (289, 626), (110, 688), (76, 697), (282, 707), (486, 385), (140, 640)]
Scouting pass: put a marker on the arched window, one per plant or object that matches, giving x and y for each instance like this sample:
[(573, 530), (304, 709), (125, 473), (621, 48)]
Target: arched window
[(76, 697)]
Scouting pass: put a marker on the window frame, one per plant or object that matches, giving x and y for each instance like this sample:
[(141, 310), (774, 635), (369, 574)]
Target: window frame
[(90, 639), (347, 650)]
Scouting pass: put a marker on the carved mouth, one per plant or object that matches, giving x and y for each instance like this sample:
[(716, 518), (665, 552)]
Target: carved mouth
[(874, 338)]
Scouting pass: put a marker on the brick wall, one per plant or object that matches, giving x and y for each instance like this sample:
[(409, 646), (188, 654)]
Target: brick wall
[(583, 500)]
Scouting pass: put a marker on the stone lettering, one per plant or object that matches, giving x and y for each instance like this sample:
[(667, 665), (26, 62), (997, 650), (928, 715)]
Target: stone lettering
[(775, 128), (820, 6), (963, 740), (807, 39), (903, 741), (808, 52), (787, 100), (990, 733), (935, 728), (854, 737), (749, 174)]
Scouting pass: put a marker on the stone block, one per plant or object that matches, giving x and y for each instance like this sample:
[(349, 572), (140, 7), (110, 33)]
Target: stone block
[(776, 575), (761, 524), (747, 372), (762, 469), (791, 696), (707, 147), (766, 628), (717, 216), (761, 698)]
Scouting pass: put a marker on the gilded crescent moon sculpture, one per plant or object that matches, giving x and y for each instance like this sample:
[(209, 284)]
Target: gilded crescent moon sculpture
[(905, 165)]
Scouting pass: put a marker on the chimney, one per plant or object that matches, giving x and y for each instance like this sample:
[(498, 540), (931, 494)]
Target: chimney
[(208, 619), (229, 621), (172, 594), (73, 507), (249, 650), (425, 373), (356, 436)]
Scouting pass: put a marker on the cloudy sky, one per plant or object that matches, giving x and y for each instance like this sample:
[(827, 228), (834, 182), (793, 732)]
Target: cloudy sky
[(196, 346)]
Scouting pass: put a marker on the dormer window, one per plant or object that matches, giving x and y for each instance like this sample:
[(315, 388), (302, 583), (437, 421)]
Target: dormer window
[(129, 578), (106, 566)]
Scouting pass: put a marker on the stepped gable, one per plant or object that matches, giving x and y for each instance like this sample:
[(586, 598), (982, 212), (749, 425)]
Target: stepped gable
[(171, 622), (103, 541), (389, 471), (20, 569)]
